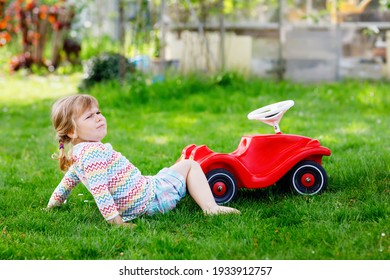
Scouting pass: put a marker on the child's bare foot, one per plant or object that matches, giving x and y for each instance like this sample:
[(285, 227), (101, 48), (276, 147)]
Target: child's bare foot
[(218, 210)]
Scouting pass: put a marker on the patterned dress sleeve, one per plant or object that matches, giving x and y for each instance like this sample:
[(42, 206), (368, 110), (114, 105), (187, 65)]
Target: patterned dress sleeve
[(95, 166), (64, 188)]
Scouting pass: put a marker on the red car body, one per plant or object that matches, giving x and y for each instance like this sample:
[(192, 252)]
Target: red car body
[(261, 161)]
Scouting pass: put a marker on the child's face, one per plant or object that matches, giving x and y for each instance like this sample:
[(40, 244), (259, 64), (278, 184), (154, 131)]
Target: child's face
[(90, 126)]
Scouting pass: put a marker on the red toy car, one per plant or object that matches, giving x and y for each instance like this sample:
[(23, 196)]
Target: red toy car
[(261, 161)]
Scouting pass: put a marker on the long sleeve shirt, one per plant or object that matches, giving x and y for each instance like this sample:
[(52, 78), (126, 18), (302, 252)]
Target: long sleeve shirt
[(117, 186)]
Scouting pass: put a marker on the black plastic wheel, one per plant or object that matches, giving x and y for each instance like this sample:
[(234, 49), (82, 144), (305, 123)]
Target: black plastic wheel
[(223, 185), (308, 178)]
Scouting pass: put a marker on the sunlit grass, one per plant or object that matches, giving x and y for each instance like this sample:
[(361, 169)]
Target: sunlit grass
[(22, 88), (150, 123)]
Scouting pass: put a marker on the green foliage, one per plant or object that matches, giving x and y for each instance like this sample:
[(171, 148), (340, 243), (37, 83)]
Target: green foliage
[(105, 67), (384, 4), (93, 46), (206, 10), (151, 122), (228, 78)]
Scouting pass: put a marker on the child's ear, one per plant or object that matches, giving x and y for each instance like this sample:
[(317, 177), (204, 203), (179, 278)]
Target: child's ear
[(72, 135)]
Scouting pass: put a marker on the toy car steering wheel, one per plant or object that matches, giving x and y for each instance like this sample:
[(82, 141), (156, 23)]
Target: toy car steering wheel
[(271, 114)]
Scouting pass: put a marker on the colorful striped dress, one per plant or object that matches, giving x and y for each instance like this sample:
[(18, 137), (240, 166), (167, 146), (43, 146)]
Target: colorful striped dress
[(117, 186)]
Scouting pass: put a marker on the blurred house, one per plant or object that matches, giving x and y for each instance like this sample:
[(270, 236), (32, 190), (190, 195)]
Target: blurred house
[(309, 41)]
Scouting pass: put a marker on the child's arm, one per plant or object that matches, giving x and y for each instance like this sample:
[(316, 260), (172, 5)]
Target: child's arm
[(64, 188), (95, 165)]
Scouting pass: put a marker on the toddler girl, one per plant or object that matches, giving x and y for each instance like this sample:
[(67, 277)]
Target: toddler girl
[(121, 192)]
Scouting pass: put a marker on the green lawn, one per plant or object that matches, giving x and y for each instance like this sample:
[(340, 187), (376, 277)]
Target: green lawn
[(152, 123)]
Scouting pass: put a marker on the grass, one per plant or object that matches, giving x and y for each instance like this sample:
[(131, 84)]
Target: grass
[(151, 123)]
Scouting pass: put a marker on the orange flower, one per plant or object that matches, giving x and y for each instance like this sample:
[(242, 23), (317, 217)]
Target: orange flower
[(43, 11), (3, 24), (52, 19), (30, 4), (4, 38), (35, 37)]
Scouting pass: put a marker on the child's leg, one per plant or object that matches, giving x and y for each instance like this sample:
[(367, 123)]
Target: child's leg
[(198, 187)]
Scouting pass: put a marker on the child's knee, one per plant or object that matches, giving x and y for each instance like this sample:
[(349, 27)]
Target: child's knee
[(185, 166), (193, 164)]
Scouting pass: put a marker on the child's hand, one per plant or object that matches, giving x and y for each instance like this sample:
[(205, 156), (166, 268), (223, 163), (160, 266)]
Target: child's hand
[(118, 221)]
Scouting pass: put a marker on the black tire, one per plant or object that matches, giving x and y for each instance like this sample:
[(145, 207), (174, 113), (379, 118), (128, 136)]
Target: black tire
[(222, 185), (308, 178)]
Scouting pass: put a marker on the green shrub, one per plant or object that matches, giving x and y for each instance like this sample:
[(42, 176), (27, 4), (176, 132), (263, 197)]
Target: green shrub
[(228, 78), (104, 67)]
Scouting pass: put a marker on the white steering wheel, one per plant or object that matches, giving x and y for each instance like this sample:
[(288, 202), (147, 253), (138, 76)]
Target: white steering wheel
[(271, 114)]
